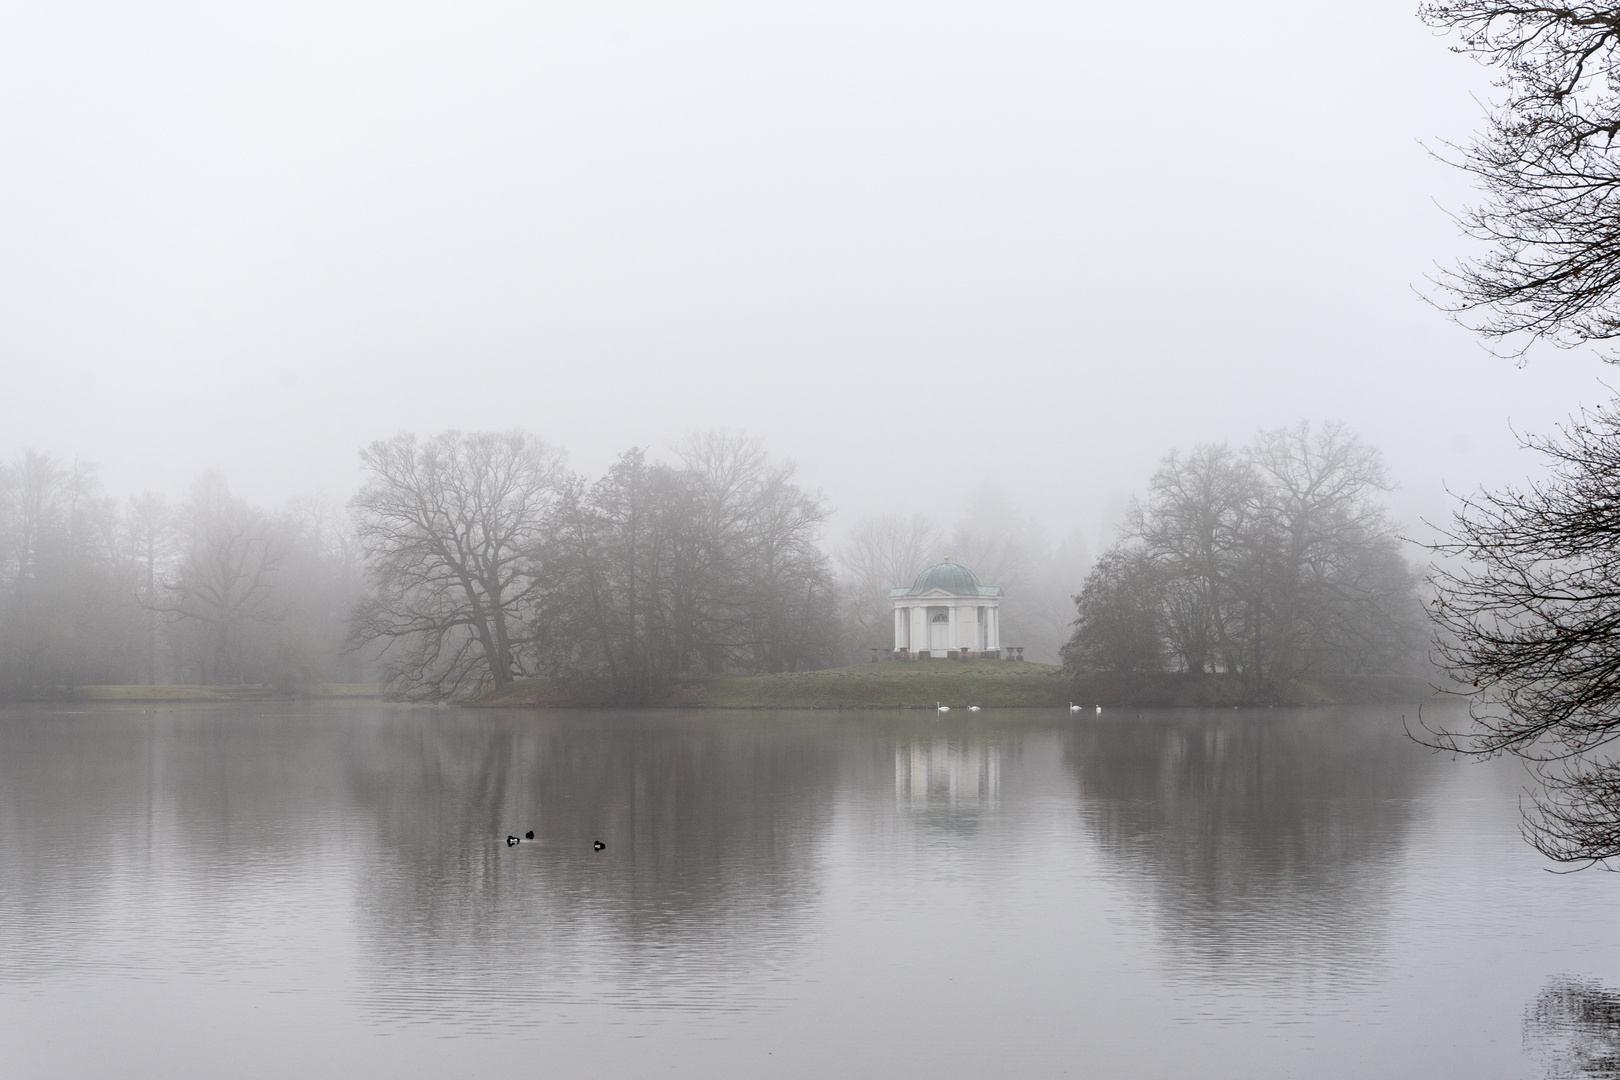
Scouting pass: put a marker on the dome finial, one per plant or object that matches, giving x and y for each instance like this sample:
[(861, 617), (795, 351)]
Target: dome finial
[(947, 558)]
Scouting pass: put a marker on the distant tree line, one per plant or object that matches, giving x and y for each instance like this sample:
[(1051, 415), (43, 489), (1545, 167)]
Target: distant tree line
[(469, 560), (1267, 563), (94, 590)]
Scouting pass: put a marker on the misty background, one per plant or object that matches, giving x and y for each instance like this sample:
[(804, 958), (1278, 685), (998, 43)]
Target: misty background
[(984, 264)]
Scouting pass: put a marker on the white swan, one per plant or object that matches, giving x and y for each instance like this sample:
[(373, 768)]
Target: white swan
[(1099, 710), (973, 708), (942, 708), (1073, 707)]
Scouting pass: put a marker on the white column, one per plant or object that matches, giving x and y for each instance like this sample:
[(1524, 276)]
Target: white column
[(950, 636), (995, 628), (899, 629), (919, 629)]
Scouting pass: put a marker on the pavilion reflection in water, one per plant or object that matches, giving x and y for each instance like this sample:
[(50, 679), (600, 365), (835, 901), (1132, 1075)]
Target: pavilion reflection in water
[(945, 775)]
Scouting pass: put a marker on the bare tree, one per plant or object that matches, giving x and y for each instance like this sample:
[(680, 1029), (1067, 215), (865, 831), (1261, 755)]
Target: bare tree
[(728, 470), (224, 583), (880, 554), (61, 621), (622, 597), (771, 598), (450, 528), (656, 570), (38, 491), (998, 543), (1196, 524), (148, 531), (789, 599), (1321, 517), (1270, 563), (321, 582), (1528, 615), (1548, 167)]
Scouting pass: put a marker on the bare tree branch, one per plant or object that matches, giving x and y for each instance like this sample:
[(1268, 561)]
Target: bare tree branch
[(451, 529)]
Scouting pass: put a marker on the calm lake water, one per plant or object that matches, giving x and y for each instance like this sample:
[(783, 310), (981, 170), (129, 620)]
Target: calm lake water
[(325, 890)]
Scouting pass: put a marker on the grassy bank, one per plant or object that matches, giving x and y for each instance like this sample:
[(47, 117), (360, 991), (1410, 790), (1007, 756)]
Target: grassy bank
[(871, 686), (989, 683), (1213, 691), (326, 692)]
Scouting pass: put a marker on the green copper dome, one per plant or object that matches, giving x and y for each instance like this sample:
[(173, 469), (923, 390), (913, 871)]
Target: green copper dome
[(947, 577)]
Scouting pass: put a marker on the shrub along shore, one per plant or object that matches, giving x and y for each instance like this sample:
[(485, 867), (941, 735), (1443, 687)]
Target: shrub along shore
[(919, 684)]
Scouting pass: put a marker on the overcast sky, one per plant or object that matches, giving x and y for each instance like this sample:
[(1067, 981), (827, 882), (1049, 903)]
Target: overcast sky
[(913, 246)]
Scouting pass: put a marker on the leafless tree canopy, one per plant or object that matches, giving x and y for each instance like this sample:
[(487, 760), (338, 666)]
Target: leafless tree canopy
[(490, 562), (59, 561), (451, 528), (626, 578), (1547, 164), (226, 580), (1038, 581), (1268, 564), (880, 554), (777, 608), (1528, 611), (658, 570)]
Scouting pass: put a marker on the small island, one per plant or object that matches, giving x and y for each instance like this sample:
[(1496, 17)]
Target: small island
[(947, 650)]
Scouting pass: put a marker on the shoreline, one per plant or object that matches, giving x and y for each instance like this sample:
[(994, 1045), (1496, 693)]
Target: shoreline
[(920, 684), (890, 686)]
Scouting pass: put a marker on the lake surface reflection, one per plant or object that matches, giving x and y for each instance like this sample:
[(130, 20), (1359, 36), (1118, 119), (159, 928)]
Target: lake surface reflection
[(326, 890)]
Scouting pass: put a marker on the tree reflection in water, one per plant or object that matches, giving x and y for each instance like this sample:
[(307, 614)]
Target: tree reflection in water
[(132, 837), (1265, 839), (699, 899), (1573, 1028)]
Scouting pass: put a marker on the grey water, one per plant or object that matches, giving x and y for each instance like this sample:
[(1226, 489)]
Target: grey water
[(326, 890)]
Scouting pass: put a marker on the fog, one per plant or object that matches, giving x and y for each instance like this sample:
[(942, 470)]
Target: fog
[(919, 248)]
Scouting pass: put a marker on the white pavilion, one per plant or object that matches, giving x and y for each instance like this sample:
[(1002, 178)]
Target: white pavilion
[(946, 611)]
